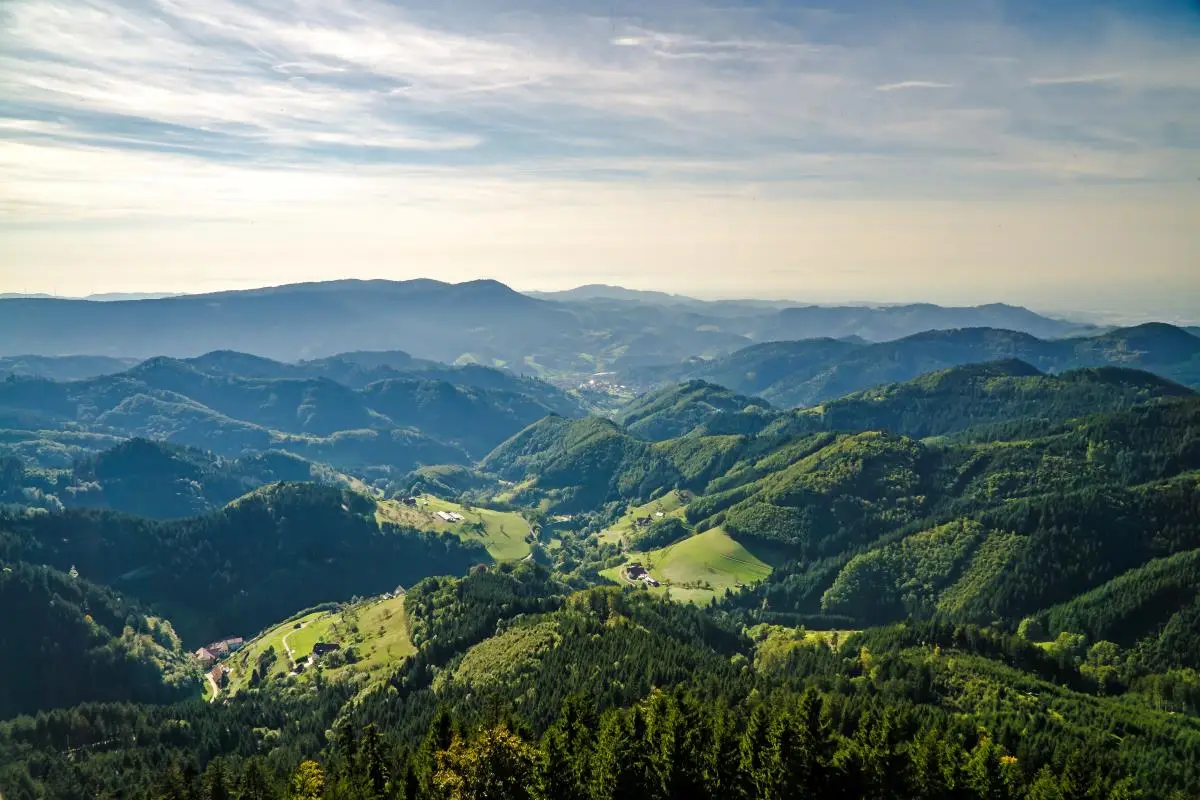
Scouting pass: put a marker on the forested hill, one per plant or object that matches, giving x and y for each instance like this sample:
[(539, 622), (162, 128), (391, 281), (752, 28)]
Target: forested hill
[(68, 641), (396, 421), (520, 690), (946, 401), (960, 398), (152, 479), (1028, 506), (231, 572), (677, 410), (578, 465), (808, 372), (979, 581), (729, 441)]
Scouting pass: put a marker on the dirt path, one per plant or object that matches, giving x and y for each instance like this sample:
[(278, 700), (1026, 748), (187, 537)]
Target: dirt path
[(216, 690), (288, 648)]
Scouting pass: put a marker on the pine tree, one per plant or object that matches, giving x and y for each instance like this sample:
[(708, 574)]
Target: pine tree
[(759, 762), (253, 783), (371, 765)]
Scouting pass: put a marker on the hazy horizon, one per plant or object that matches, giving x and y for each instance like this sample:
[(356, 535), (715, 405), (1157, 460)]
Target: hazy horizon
[(1094, 314), (954, 153)]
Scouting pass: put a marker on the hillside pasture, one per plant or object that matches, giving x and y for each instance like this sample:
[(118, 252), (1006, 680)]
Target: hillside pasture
[(503, 533), (701, 567)]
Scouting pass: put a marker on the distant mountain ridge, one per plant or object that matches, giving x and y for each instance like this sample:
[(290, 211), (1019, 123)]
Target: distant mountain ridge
[(233, 403), (807, 372), (287, 322), (894, 322), (63, 368), (556, 335)]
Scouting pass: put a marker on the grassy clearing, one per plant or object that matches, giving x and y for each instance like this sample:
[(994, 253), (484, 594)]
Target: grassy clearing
[(302, 640), (669, 505), (503, 533), (242, 663), (701, 567), (382, 638), (376, 630)]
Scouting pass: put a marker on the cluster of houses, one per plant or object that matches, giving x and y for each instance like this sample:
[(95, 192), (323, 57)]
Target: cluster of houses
[(218, 650), (450, 516), (636, 572)]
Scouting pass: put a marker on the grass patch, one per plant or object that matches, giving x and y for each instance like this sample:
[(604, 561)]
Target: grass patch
[(503, 533), (701, 567), (669, 505), (242, 663), (376, 630)]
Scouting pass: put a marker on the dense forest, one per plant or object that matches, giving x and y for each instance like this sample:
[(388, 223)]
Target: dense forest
[(637, 697), (59, 626)]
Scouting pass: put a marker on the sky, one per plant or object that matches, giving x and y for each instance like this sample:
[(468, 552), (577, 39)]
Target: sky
[(954, 152)]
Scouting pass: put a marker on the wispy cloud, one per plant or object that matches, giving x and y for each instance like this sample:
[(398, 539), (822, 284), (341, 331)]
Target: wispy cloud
[(1065, 80), (892, 87), (392, 100)]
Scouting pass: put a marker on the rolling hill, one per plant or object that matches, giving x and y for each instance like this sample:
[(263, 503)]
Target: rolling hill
[(960, 398), (677, 410), (155, 479), (78, 642), (233, 571), (1093, 470), (572, 465), (396, 422), (371, 636)]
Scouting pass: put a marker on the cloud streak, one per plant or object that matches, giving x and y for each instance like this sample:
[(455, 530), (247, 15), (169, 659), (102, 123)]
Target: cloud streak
[(893, 87), (295, 93)]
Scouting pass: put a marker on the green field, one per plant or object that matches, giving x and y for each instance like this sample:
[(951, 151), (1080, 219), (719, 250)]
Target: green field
[(503, 533), (700, 567), (375, 629), (241, 664), (669, 505)]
